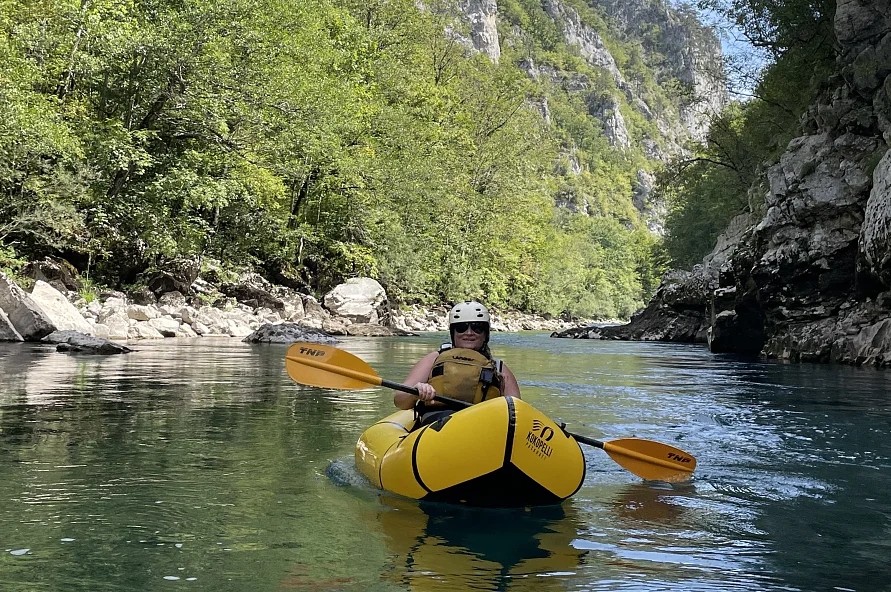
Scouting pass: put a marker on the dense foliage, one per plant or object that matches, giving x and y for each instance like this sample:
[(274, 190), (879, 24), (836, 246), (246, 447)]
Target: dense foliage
[(313, 140), (718, 180)]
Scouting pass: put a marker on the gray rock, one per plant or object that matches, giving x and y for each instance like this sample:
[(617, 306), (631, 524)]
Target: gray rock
[(60, 312), (166, 326), (236, 327), (336, 326), (116, 324), (22, 312), (7, 331), (589, 43), (139, 312), (253, 294), (483, 26), (287, 333), (76, 342), (142, 330), (859, 20), (185, 331), (143, 296), (875, 234), (606, 109), (163, 282), (172, 299), (358, 299), (690, 53), (57, 272)]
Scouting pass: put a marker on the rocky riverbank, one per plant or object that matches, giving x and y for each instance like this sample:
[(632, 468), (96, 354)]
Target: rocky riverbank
[(806, 274), (250, 309)]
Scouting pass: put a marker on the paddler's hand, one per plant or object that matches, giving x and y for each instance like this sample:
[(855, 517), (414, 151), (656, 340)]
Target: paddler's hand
[(425, 391)]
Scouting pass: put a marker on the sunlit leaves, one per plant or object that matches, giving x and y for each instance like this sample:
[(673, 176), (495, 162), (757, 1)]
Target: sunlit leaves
[(321, 139)]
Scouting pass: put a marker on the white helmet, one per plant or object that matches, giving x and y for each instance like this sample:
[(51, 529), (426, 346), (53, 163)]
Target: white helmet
[(468, 311)]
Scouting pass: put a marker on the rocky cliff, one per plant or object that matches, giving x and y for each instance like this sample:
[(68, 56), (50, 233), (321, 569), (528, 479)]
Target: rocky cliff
[(689, 53), (676, 47), (810, 279), (673, 51)]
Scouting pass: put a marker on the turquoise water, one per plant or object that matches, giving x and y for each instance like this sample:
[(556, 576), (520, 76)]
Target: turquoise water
[(199, 465)]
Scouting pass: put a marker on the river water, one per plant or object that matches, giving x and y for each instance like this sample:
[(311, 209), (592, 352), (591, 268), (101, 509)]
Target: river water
[(199, 465)]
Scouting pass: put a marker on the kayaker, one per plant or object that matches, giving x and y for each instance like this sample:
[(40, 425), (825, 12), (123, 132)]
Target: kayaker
[(455, 372)]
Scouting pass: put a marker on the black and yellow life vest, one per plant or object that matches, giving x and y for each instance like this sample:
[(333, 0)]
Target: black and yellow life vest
[(466, 374)]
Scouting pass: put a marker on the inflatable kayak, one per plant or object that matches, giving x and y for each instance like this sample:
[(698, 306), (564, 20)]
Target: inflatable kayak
[(499, 453)]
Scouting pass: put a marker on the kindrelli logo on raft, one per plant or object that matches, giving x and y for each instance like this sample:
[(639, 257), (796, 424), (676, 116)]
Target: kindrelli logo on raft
[(538, 437)]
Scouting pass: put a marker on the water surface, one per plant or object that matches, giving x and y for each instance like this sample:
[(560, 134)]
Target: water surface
[(198, 464)]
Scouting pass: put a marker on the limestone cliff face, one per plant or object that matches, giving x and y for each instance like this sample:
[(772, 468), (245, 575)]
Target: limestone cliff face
[(688, 53), (678, 51), (482, 17), (692, 55), (810, 280)]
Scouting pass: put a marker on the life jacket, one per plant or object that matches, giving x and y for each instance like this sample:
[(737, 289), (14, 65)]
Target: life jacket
[(465, 374)]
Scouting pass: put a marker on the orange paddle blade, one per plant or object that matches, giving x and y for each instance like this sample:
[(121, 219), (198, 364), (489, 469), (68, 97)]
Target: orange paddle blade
[(324, 366), (651, 460)]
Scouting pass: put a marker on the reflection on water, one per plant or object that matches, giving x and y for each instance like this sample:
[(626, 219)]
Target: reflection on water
[(199, 463), (445, 547), (650, 502)]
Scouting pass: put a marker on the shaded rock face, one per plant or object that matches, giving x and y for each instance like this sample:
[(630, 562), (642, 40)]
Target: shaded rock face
[(252, 295), (811, 280), (22, 314), (819, 262), (164, 282), (806, 245), (7, 331), (58, 273), (77, 342), (735, 315), (875, 232)]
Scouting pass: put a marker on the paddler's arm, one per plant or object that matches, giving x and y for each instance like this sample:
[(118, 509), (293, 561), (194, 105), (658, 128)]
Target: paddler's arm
[(417, 378), (511, 386)]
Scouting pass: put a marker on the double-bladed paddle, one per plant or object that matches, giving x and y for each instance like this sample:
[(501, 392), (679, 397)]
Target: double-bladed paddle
[(326, 366)]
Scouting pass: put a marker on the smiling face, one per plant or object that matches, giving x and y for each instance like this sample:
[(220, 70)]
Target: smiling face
[(469, 338)]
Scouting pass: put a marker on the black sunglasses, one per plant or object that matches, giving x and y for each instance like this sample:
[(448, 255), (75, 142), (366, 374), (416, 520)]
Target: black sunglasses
[(477, 327)]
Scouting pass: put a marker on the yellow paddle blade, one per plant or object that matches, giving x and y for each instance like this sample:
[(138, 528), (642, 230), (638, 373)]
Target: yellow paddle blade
[(651, 460), (314, 364)]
